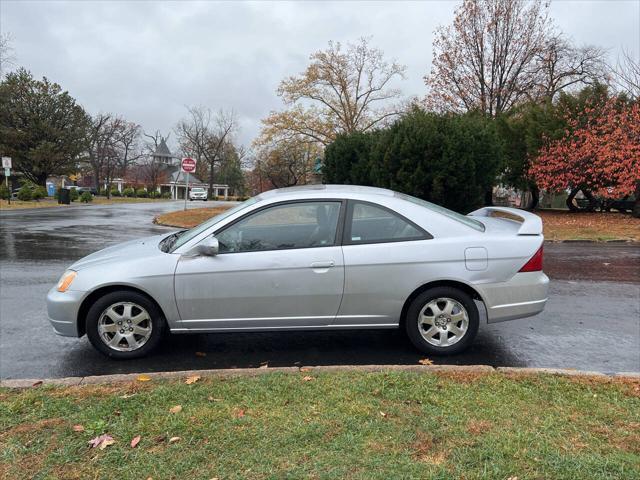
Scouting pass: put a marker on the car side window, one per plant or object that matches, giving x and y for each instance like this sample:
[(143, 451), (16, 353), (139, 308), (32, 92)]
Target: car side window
[(287, 226), (372, 224)]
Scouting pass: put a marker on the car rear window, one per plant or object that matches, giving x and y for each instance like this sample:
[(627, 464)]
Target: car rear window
[(468, 221)]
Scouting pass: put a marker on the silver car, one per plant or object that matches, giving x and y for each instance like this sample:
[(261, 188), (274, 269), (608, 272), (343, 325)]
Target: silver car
[(311, 258), (197, 193)]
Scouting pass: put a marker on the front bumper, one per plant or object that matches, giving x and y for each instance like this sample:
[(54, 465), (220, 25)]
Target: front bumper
[(62, 310), (523, 296)]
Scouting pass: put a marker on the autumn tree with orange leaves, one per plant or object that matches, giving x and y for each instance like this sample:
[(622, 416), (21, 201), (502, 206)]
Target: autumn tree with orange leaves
[(599, 153)]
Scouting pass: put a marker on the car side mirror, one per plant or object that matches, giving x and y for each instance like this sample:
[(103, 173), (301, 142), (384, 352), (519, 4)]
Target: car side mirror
[(207, 248)]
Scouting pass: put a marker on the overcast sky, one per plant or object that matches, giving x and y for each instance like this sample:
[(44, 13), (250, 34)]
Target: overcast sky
[(147, 60)]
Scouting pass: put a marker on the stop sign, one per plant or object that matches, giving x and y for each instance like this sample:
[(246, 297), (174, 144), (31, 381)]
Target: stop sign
[(188, 165)]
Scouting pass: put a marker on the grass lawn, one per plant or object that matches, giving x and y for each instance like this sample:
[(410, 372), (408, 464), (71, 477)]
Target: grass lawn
[(558, 224), (563, 225), (352, 425), (189, 218), (51, 202)]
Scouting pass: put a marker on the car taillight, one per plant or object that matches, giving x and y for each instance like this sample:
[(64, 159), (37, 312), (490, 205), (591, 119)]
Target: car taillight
[(534, 264)]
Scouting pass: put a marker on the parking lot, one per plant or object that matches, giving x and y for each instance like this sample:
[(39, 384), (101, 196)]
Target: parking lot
[(591, 321)]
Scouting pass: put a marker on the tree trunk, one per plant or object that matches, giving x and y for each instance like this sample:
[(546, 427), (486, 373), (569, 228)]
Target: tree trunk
[(593, 202), (535, 196), (636, 204), (210, 194), (569, 202), (488, 197)]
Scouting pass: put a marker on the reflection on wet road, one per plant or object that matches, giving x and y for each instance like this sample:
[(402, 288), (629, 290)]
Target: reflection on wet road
[(592, 320)]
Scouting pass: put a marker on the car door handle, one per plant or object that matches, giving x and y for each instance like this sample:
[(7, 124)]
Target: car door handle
[(328, 264)]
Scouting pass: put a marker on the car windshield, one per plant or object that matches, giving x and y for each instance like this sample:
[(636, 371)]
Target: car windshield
[(184, 236), (198, 190), (469, 222)]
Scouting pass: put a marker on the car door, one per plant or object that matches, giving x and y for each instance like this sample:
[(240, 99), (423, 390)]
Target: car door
[(381, 251), (278, 267)]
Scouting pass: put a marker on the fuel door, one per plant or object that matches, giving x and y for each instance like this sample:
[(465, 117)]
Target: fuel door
[(476, 259)]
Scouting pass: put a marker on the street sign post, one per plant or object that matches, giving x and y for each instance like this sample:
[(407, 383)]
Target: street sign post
[(188, 165), (6, 164)]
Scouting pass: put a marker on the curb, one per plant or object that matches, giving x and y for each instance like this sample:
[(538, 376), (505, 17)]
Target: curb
[(251, 372)]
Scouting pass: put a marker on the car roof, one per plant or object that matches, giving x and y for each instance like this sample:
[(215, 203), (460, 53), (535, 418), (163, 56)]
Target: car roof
[(330, 190)]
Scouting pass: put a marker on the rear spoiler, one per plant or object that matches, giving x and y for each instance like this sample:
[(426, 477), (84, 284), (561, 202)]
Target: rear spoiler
[(531, 223)]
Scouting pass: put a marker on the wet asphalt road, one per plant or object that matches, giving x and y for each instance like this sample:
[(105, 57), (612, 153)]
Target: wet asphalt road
[(591, 322)]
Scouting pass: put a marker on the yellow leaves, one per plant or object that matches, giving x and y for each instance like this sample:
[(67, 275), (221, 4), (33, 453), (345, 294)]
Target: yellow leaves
[(175, 409), (143, 378), (425, 361), (192, 379)]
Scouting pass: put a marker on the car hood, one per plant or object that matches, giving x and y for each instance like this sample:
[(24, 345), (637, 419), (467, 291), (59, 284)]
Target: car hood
[(134, 249)]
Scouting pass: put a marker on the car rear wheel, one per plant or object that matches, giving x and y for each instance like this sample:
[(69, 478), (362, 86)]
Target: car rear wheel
[(124, 325), (442, 321)]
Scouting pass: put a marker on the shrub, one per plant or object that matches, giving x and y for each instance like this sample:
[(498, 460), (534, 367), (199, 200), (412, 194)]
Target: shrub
[(166, 195), (141, 193), (4, 192), (86, 197), (115, 192), (25, 193), (128, 192), (73, 194), (154, 194), (38, 193)]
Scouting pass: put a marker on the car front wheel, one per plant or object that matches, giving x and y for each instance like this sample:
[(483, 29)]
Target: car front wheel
[(442, 321), (124, 325)]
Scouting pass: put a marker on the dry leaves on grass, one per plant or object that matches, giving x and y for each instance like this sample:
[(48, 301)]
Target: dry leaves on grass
[(135, 441), (143, 378), (78, 428), (176, 409), (307, 378), (101, 441), (425, 361), (239, 413), (174, 439), (192, 379)]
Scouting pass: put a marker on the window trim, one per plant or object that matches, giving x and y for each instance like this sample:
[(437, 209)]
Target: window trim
[(337, 242), (346, 236)]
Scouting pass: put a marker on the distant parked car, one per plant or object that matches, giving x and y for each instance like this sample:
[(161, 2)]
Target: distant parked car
[(315, 257), (91, 190), (198, 193)]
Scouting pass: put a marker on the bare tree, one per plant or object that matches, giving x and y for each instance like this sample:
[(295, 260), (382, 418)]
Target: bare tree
[(202, 135), (626, 75), (128, 136), (343, 90), (7, 56), (562, 65), (287, 163), (486, 60)]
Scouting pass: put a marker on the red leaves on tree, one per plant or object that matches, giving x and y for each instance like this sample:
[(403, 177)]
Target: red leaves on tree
[(599, 151)]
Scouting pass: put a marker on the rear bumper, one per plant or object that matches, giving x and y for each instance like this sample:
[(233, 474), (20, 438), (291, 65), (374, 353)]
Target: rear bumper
[(524, 295), (62, 310)]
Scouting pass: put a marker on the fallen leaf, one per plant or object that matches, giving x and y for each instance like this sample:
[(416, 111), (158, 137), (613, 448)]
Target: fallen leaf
[(192, 379), (101, 441), (143, 378), (305, 369), (307, 378), (383, 415), (117, 413), (78, 428), (425, 361), (176, 409), (135, 440), (239, 413), (201, 354), (37, 384), (174, 439), (512, 478), (264, 365), (128, 395), (213, 399)]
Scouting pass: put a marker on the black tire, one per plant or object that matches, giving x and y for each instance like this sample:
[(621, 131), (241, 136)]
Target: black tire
[(413, 326), (158, 323)]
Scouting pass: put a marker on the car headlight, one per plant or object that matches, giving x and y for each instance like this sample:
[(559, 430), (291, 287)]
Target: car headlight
[(66, 280)]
